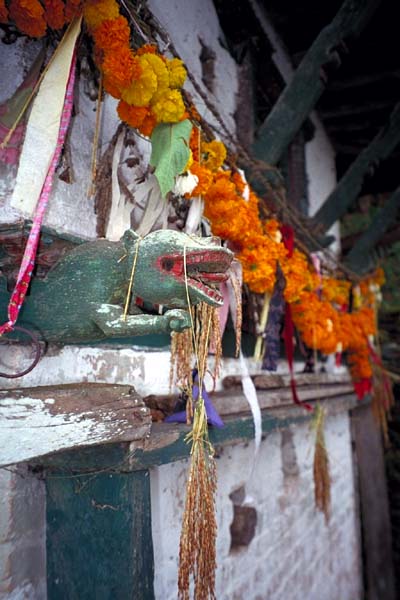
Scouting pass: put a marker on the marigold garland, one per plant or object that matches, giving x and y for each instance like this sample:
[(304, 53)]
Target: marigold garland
[(148, 88)]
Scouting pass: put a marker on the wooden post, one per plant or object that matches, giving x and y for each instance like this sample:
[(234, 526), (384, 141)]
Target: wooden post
[(99, 542), (350, 184), (307, 85), (358, 257), (376, 532)]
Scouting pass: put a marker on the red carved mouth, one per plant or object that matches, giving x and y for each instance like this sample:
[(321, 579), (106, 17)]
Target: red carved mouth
[(204, 270)]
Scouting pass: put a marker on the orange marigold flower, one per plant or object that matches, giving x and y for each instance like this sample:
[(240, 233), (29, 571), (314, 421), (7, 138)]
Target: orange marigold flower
[(195, 142), (205, 180), (146, 49), (120, 68), (112, 34), (97, 11), (142, 88), (111, 89), (72, 9), (54, 13), (3, 12), (28, 16), (146, 128), (133, 115), (168, 107), (239, 182), (215, 154)]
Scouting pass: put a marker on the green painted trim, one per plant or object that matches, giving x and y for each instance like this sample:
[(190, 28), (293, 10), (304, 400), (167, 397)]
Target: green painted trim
[(99, 542), (170, 446)]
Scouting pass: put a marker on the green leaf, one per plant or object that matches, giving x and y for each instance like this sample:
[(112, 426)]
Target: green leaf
[(170, 152)]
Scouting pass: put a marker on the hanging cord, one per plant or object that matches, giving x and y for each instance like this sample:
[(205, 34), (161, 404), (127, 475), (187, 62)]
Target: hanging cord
[(131, 279)]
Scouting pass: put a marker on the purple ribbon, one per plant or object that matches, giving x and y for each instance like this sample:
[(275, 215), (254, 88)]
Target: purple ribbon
[(213, 417)]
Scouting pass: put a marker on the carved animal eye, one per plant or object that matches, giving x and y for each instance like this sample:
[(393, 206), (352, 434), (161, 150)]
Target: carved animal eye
[(167, 264)]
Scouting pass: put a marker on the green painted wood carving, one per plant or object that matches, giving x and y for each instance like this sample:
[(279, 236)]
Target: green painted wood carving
[(81, 299)]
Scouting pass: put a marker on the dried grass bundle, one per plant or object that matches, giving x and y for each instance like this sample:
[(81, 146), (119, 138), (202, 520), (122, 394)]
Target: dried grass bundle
[(322, 480), (382, 399), (197, 549)]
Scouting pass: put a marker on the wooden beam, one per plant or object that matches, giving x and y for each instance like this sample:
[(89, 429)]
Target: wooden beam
[(167, 441), (349, 187), (358, 257), (390, 237), (307, 84), (347, 110), (45, 420), (362, 80)]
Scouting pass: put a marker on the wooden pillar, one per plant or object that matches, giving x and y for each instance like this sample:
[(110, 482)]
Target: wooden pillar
[(374, 508), (99, 541)]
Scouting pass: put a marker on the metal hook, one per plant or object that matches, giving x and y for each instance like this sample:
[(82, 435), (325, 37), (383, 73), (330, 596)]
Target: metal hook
[(38, 353)]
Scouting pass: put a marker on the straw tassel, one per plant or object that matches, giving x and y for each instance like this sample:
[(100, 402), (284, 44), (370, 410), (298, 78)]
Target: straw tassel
[(322, 480)]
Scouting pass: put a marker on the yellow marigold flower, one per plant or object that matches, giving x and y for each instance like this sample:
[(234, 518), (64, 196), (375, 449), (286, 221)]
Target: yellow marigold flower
[(141, 91), (159, 68), (189, 162), (168, 107), (97, 11), (215, 154), (177, 73)]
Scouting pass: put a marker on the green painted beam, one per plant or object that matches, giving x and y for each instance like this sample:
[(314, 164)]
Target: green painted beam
[(99, 542), (358, 258), (167, 444), (301, 94), (349, 187)]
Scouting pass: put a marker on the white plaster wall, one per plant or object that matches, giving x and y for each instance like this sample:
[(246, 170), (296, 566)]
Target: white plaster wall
[(186, 23), (294, 554), (22, 536)]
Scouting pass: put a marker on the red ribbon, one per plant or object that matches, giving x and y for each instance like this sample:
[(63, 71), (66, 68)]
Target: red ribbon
[(28, 260), (288, 329)]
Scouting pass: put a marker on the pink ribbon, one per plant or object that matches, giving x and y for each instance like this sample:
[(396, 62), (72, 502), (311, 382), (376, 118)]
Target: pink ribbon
[(28, 260)]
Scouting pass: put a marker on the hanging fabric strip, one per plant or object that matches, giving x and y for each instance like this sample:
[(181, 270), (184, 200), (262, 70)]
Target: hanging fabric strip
[(288, 334), (248, 386), (28, 260), (288, 330), (273, 326)]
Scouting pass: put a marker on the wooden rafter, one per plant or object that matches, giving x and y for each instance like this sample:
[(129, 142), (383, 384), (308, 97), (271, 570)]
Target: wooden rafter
[(358, 257), (350, 184), (309, 81)]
